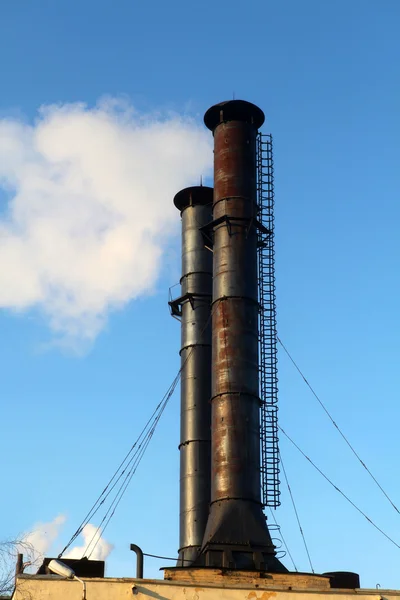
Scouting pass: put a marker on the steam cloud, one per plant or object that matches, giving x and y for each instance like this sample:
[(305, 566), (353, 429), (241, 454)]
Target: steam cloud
[(92, 540), (42, 536), (88, 208)]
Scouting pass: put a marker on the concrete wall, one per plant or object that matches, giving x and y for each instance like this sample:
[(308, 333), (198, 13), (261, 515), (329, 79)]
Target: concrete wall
[(48, 587)]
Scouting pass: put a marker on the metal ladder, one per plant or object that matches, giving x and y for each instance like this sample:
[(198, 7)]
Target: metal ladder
[(267, 325)]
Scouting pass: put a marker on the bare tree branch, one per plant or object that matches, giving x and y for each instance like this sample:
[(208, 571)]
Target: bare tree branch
[(9, 550)]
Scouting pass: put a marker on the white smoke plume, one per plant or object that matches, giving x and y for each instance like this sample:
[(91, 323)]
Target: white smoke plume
[(87, 196), (42, 537), (96, 546)]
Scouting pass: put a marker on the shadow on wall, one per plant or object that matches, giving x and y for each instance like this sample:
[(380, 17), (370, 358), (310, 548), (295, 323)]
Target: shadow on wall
[(140, 589)]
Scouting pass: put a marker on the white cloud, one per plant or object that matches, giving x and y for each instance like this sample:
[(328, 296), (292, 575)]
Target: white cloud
[(42, 537), (96, 546), (89, 208)]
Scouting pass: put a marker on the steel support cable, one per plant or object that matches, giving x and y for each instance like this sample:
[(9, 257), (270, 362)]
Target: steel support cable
[(160, 407), (338, 490), (122, 489), (103, 496), (167, 557), (294, 508), (113, 506), (283, 539), (337, 427), (111, 510), (100, 501), (137, 455), (296, 513)]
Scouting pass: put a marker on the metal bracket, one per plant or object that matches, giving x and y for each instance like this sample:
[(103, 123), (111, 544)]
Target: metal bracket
[(176, 304), (207, 231)]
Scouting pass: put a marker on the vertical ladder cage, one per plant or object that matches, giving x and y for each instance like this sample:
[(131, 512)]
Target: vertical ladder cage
[(267, 325)]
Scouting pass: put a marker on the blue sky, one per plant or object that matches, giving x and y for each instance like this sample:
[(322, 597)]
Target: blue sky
[(326, 74)]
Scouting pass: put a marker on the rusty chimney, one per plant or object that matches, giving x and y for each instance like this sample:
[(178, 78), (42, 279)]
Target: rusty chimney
[(236, 534), (194, 310)]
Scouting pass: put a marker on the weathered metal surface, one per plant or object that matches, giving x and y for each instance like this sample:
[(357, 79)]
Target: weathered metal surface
[(195, 445), (236, 519), (235, 424), (343, 579), (234, 110)]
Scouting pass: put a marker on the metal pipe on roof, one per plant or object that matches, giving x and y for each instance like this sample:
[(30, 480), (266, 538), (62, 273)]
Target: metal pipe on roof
[(139, 560)]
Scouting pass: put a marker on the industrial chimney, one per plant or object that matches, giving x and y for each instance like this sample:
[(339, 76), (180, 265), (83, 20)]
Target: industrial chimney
[(236, 534), (193, 307)]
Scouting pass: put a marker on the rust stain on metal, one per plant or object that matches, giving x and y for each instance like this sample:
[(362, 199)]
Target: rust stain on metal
[(236, 511)]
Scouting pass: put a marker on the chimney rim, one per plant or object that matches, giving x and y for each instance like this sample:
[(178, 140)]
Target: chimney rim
[(233, 110), (192, 196)]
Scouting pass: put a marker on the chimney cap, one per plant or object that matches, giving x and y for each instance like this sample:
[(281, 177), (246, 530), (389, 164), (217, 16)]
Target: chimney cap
[(195, 195), (234, 110)]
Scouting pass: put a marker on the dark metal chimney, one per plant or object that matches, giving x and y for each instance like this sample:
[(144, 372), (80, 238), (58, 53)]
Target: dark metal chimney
[(194, 309), (236, 535)]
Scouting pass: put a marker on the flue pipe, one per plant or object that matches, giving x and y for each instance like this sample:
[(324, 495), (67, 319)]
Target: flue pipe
[(194, 310), (236, 535)]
